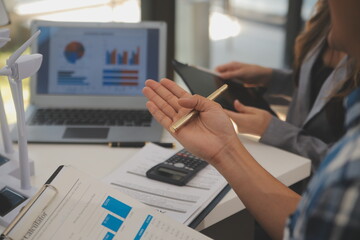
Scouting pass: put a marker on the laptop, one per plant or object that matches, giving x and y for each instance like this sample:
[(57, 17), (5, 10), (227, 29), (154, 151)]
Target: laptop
[(89, 87)]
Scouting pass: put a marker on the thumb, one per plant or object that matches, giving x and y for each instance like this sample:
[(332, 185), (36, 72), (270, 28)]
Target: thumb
[(197, 102), (241, 108)]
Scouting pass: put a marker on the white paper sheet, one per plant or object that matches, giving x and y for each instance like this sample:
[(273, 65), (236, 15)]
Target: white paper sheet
[(85, 208), (182, 203)]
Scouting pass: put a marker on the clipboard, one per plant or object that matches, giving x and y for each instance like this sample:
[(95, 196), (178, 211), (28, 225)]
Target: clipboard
[(26, 208), (204, 82)]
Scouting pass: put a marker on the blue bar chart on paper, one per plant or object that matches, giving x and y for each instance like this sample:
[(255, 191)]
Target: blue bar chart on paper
[(86, 208), (118, 213), (116, 207), (143, 227)]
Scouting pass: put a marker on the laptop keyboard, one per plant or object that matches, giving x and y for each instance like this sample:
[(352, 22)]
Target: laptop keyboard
[(90, 117)]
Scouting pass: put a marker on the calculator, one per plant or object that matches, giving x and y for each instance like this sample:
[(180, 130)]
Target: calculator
[(179, 169)]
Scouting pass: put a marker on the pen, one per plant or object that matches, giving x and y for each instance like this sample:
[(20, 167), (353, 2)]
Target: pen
[(176, 125), (139, 144)]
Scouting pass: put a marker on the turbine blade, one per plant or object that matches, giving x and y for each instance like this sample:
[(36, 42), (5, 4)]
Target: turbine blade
[(21, 49)]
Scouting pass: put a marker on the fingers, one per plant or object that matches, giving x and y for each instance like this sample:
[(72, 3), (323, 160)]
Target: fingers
[(163, 100), (159, 115), (227, 67), (198, 103), (174, 88), (161, 95), (233, 73), (241, 108), (168, 101), (250, 85), (221, 68), (232, 114), (160, 103)]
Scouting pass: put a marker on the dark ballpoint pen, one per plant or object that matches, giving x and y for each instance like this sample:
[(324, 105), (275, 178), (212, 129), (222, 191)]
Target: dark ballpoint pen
[(139, 144)]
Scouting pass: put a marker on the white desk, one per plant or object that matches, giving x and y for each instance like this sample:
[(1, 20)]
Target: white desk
[(100, 160), (286, 167)]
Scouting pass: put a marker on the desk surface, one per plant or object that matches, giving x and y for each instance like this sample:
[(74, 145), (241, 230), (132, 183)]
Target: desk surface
[(100, 160)]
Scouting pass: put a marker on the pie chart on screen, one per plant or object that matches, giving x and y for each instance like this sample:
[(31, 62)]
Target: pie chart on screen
[(74, 51)]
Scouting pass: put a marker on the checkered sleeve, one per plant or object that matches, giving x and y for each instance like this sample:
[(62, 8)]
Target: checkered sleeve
[(336, 214)]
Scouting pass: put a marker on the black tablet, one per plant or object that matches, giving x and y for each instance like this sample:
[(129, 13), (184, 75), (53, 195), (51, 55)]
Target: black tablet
[(204, 83)]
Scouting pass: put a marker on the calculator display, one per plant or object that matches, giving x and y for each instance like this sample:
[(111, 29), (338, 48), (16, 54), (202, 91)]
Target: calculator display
[(166, 172)]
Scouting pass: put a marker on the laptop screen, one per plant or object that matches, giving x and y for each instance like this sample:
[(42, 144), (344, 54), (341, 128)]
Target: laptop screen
[(97, 60)]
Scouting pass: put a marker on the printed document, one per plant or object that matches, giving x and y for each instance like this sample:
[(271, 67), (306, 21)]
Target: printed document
[(80, 207), (182, 203)]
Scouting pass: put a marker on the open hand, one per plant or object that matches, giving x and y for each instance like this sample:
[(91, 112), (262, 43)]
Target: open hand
[(206, 134)]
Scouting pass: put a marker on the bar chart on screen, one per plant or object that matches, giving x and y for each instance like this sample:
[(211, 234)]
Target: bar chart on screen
[(119, 77), (124, 57), (97, 62)]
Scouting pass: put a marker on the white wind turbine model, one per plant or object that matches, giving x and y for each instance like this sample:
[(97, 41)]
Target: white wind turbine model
[(13, 195), (8, 147), (18, 68), (4, 36)]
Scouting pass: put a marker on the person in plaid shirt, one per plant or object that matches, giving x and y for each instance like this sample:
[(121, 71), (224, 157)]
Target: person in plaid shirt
[(330, 207)]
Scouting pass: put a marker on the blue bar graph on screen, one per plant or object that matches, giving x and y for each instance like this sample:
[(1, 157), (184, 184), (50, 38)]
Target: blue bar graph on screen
[(115, 206), (122, 57), (108, 57), (112, 223), (143, 227), (120, 77)]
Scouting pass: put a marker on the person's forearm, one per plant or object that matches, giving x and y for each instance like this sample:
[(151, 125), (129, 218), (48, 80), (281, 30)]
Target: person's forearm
[(291, 138), (267, 199)]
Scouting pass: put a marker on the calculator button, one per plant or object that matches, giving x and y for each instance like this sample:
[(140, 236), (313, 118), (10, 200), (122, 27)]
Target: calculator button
[(179, 165)]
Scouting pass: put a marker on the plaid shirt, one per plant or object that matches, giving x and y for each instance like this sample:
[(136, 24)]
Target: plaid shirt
[(330, 207)]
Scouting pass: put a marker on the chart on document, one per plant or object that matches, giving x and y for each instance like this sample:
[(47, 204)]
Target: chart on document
[(104, 62), (88, 209)]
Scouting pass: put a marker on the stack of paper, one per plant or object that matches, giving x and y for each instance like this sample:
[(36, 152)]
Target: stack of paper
[(73, 205), (183, 203)]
